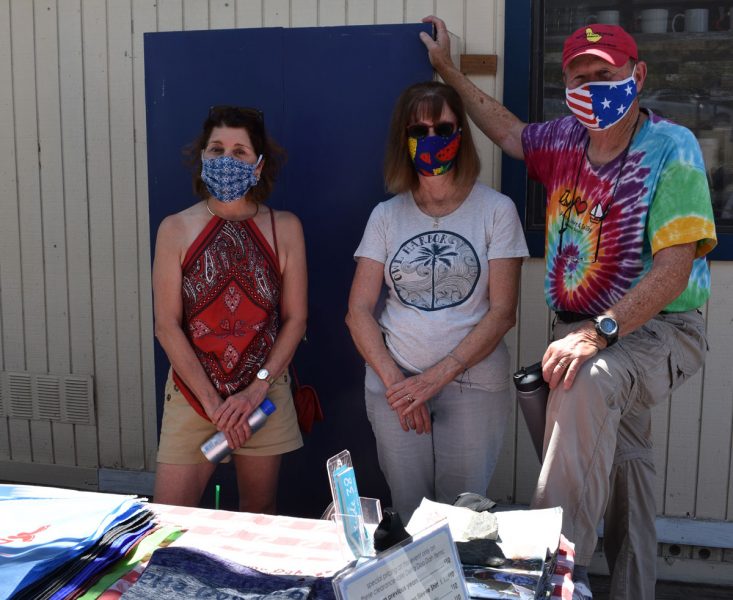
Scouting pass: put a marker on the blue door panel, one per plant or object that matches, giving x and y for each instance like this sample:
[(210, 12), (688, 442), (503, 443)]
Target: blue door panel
[(327, 94)]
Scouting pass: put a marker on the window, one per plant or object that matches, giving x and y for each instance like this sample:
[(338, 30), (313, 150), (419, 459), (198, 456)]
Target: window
[(688, 46)]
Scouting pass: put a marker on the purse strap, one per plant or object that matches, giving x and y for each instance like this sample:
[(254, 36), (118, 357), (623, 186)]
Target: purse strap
[(295, 375)]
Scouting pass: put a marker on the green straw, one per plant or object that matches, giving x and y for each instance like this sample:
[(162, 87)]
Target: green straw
[(217, 491)]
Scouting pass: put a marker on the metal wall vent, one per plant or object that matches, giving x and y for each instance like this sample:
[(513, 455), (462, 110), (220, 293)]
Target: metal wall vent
[(47, 397), (20, 395), (78, 406)]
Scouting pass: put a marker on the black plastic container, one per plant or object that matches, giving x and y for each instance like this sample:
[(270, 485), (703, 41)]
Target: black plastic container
[(532, 392)]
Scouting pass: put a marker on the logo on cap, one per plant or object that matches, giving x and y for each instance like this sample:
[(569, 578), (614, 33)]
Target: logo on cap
[(591, 36)]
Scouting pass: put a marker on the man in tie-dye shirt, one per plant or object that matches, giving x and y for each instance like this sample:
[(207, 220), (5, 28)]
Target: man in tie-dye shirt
[(629, 222)]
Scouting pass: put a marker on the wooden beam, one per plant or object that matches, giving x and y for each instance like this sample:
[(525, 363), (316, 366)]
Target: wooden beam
[(686, 531), (121, 481), (478, 64), (76, 478), (118, 481), (686, 570)]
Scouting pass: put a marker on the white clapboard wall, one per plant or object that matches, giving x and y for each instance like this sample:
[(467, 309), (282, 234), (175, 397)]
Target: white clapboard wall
[(75, 295)]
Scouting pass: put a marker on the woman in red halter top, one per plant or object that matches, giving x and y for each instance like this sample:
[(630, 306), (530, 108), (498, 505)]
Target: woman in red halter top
[(230, 287)]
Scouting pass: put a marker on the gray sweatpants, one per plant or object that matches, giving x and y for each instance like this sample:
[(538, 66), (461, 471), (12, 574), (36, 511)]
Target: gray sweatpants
[(598, 459), (458, 456)]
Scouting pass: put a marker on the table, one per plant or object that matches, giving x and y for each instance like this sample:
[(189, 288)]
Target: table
[(280, 545)]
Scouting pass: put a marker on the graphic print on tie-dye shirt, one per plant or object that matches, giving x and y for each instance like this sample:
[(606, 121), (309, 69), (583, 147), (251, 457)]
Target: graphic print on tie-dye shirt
[(603, 223)]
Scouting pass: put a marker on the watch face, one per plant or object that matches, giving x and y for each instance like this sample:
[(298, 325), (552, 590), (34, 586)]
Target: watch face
[(263, 374), (608, 326)]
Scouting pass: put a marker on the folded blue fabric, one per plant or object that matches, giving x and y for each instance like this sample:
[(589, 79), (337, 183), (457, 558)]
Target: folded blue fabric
[(43, 528), (112, 547), (73, 576), (180, 573)]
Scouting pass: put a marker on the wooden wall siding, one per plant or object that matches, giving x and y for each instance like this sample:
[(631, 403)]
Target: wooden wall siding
[(11, 303), (75, 244), (714, 490)]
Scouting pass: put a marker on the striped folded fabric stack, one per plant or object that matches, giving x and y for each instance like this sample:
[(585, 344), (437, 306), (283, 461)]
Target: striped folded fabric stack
[(57, 543)]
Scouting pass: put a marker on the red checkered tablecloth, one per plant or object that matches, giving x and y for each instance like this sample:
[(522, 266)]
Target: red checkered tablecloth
[(282, 545)]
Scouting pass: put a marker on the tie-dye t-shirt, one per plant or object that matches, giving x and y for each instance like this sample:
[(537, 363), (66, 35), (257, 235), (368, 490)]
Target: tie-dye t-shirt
[(604, 224)]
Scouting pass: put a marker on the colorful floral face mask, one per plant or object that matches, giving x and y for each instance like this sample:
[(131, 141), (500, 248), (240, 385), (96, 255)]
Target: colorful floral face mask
[(227, 178), (602, 104), (434, 154)]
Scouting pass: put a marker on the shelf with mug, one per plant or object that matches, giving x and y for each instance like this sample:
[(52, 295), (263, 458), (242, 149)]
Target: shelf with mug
[(683, 61), (640, 16), (689, 76), (669, 37), (682, 17)]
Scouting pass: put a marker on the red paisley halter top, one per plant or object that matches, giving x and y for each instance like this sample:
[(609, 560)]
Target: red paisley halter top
[(231, 297)]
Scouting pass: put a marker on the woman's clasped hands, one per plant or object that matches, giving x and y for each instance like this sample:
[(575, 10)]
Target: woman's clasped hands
[(232, 414), (409, 396)]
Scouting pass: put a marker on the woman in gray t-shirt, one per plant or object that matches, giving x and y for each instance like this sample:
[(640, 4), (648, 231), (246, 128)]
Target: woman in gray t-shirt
[(449, 250)]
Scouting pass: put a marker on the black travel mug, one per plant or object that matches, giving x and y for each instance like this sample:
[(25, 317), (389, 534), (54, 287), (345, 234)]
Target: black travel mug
[(532, 392)]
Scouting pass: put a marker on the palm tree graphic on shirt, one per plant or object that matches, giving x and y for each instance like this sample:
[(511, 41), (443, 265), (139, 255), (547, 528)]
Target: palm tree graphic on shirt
[(430, 256), (434, 270)]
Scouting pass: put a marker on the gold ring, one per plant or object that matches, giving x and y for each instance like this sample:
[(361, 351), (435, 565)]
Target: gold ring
[(562, 364)]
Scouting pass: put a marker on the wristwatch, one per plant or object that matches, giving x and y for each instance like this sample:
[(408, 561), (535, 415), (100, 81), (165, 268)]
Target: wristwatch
[(264, 375), (607, 328)]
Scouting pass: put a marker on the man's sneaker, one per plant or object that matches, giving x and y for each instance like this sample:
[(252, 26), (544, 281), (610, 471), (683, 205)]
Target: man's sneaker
[(581, 591)]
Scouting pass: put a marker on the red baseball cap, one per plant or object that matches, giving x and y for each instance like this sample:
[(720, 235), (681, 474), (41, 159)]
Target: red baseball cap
[(609, 42)]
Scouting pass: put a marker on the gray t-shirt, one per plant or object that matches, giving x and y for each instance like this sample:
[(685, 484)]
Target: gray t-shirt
[(438, 277)]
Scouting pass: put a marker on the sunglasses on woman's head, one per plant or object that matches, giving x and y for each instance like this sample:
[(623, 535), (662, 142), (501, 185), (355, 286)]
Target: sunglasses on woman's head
[(442, 129), (242, 111)]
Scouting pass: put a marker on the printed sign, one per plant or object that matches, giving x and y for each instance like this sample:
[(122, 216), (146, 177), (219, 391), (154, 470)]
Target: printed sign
[(422, 569)]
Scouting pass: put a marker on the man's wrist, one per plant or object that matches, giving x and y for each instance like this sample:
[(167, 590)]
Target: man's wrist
[(593, 337), (599, 341), (448, 71)]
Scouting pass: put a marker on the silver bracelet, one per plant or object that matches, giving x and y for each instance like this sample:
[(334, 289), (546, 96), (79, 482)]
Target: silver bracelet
[(458, 360)]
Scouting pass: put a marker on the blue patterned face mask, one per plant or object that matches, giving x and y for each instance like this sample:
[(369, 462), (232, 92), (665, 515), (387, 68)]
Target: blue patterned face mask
[(227, 178)]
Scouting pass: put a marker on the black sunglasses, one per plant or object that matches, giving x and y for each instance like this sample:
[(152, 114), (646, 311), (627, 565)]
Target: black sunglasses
[(220, 110), (442, 129)]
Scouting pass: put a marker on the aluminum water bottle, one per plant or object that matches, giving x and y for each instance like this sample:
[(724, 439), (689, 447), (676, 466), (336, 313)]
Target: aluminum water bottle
[(532, 392), (216, 447)]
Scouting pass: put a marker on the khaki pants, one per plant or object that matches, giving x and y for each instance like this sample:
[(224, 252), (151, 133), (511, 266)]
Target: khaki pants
[(183, 430), (598, 459)]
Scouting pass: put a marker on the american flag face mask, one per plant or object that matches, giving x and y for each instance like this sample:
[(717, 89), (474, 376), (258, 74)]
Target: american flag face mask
[(602, 104)]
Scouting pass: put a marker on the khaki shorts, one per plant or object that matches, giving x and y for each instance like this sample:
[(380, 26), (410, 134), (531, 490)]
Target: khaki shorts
[(184, 430)]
